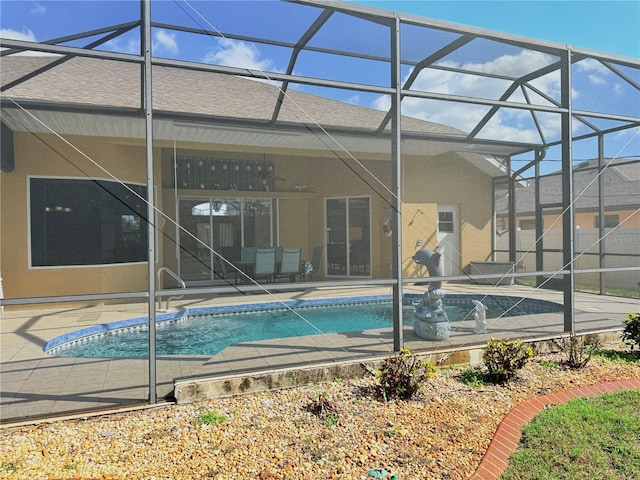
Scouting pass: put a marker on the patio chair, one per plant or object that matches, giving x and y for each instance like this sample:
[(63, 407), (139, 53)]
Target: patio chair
[(224, 271), (265, 266), (290, 264), (247, 259), (248, 254)]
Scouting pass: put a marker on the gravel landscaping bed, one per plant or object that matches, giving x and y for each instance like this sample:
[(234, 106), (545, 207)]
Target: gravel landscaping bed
[(442, 433)]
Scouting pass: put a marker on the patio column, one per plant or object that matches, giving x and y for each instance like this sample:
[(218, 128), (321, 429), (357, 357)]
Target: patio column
[(513, 214), (539, 220), (601, 213), (568, 220), (396, 178), (145, 6)]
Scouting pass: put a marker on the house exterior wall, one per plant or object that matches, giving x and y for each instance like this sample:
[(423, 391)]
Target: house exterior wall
[(446, 180), (427, 182), (48, 156)]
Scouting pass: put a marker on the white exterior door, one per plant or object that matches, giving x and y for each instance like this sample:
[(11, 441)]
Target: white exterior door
[(449, 239)]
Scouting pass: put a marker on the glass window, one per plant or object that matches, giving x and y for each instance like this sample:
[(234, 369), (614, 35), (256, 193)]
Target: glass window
[(610, 221), (86, 222), (445, 222), (529, 224)]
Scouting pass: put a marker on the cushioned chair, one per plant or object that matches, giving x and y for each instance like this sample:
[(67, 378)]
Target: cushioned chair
[(265, 266), (224, 271), (290, 264), (247, 260)]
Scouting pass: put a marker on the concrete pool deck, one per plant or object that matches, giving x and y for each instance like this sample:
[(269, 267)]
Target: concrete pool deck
[(35, 385)]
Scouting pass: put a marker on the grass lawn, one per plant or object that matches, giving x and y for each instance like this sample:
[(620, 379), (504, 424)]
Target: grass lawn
[(586, 438)]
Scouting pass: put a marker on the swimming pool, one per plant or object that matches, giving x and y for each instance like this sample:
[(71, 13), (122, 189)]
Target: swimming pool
[(207, 331)]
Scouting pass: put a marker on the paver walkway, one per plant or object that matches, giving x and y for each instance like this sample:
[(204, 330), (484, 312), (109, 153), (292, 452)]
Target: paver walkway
[(507, 437)]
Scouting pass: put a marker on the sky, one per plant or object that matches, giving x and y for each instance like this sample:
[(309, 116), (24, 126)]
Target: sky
[(607, 26)]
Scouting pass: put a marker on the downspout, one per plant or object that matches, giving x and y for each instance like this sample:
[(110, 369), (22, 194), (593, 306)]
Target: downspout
[(396, 179), (151, 202)]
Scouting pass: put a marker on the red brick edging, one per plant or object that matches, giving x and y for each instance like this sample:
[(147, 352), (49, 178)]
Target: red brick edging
[(505, 440)]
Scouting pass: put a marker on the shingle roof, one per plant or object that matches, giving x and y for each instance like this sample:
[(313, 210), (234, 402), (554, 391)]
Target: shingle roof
[(103, 83), (621, 180)]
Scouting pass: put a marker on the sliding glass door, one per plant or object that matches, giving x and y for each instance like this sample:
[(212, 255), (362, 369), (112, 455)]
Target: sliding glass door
[(221, 224), (348, 222)]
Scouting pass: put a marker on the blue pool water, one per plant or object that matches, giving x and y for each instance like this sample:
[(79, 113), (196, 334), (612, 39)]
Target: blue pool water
[(209, 331)]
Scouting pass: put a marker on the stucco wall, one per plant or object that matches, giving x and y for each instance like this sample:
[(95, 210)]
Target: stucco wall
[(427, 183), (446, 180), (47, 155)]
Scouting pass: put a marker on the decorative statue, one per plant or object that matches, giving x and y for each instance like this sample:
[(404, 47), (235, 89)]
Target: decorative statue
[(480, 314), (430, 321)]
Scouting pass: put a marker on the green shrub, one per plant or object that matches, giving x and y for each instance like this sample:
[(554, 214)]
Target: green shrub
[(211, 417), (402, 375), (472, 377), (631, 333), (549, 364), (578, 351), (504, 357), (618, 356)]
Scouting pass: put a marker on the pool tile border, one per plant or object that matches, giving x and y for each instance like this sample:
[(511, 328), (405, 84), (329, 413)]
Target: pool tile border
[(507, 437)]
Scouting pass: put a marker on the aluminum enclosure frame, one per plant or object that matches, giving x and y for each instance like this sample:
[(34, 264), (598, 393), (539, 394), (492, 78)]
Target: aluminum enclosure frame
[(397, 91)]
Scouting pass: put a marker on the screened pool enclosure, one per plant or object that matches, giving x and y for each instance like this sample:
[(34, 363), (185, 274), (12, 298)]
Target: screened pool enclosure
[(162, 156)]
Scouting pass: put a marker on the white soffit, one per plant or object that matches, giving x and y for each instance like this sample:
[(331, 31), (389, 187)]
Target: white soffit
[(108, 126)]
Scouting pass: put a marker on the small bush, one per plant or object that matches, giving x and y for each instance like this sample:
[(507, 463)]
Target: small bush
[(549, 364), (402, 375), (618, 356), (504, 357), (472, 377), (211, 417), (324, 409), (631, 333), (578, 351)]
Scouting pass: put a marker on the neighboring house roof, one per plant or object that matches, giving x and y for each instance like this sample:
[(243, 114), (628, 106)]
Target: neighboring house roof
[(621, 183), (81, 95)]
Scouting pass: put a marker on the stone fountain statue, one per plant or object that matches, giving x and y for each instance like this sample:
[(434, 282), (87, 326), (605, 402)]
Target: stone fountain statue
[(430, 321), (480, 315)]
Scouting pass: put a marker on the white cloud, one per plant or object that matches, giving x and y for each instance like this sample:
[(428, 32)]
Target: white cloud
[(506, 124), (165, 42), (233, 53), (25, 34), (38, 9), (130, 46), (596, 72), (354, 99)]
